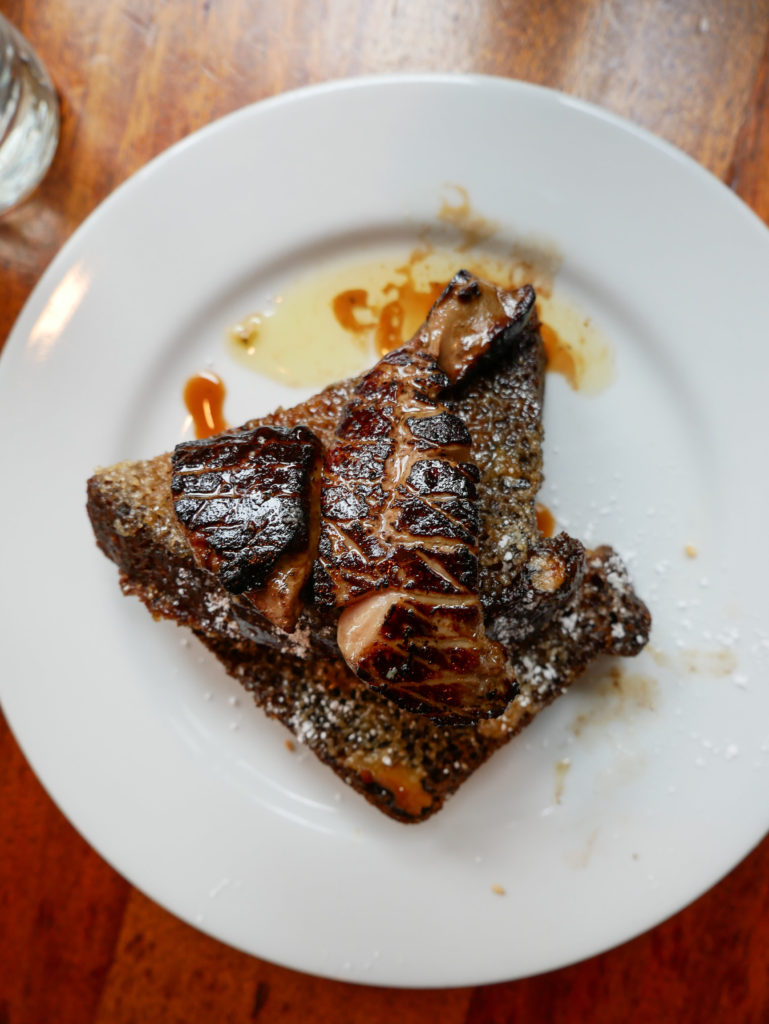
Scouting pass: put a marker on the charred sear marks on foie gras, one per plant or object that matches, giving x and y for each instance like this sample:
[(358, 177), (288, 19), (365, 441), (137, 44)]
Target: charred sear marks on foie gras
[(400, 522), (348, 725), (404, 489), (248, 503)]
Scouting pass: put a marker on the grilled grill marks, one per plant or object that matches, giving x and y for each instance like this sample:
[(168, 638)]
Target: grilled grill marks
[(248, 503), (399, 536), (396, 520), (399, 473)]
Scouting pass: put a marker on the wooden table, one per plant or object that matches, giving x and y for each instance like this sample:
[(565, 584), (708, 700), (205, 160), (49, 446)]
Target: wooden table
[(77, 942)]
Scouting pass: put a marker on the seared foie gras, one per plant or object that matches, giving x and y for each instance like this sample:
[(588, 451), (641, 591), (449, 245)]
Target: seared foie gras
[(399, 536), (428, 653), (248, 502), (471, 321)]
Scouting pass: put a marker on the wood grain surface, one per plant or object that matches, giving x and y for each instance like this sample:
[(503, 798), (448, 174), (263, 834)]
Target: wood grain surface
[(77, 943)]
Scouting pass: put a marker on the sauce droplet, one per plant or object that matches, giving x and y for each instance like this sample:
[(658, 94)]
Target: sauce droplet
[(545, 520), (204, 397)]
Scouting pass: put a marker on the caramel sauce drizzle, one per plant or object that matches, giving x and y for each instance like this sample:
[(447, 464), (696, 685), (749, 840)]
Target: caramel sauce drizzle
[(545, 520), (394, 321), (347, 305), (204, 395), (407, 306), (403, 783)]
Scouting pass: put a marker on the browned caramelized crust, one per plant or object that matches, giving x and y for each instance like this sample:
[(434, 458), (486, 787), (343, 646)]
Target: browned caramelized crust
[(247, 502), (553, 570), (399, 529), (406, 764), (398, 496), (403, 763), (399, 550)]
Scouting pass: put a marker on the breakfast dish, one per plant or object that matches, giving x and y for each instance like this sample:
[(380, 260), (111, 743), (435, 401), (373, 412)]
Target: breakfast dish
[(424, 524), (642, 785)]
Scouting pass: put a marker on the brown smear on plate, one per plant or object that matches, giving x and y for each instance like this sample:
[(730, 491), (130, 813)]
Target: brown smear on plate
[(473, 227), (621, 695), (716, 662), (561, 771), (581, 858)]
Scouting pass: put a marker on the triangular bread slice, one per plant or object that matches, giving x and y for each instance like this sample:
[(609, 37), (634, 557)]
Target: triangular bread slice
[(553, 605)]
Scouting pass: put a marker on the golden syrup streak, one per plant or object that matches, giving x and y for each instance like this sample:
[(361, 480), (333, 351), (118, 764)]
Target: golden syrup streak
[(340, 320)]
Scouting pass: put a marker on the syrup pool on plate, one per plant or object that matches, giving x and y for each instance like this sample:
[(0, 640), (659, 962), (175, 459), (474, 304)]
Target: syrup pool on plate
[(340, 320)]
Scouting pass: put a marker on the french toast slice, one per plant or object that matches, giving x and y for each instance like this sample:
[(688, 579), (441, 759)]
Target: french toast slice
[(403, 763), (554, 606)]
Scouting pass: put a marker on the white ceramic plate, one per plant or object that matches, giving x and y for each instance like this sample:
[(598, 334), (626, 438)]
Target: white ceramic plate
[(151, 752)]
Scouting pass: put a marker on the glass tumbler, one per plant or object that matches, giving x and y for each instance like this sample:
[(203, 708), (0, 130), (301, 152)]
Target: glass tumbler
[(29, 117)]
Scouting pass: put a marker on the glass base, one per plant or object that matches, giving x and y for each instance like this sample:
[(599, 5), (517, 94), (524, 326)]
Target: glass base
[(29, 118)]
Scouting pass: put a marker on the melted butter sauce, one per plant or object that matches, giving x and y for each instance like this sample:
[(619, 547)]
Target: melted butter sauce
[(311, 334), (575, 347), (204, 395), (342, 319)]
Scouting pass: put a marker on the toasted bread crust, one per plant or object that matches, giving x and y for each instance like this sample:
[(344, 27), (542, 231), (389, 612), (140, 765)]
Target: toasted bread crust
[(403, 763)]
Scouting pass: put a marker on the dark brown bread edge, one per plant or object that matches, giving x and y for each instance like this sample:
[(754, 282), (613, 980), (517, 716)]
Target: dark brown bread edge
[(404, 764)]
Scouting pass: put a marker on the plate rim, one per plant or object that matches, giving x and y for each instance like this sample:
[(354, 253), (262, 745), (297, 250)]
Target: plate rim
[(53, 273)]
